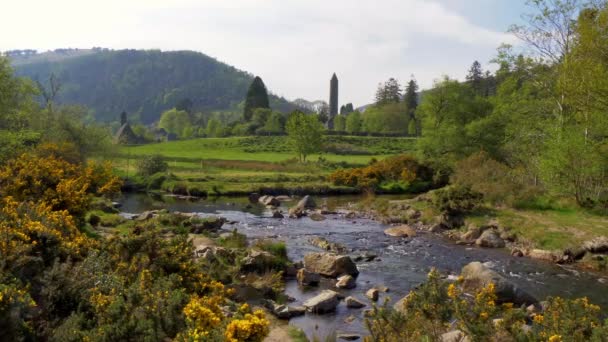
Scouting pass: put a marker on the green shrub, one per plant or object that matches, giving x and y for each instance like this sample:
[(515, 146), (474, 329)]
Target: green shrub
[(149, 165), (456, 200)]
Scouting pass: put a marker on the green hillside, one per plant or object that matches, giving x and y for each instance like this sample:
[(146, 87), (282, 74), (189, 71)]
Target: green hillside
[(142, 82)]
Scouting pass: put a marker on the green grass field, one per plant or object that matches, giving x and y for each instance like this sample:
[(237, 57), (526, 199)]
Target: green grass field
[(239, 165)]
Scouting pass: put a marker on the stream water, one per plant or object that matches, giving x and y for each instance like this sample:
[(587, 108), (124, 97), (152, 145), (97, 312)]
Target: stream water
[(402, 264)]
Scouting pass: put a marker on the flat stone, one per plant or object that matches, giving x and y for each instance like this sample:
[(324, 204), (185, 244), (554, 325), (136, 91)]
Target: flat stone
[(400, 231), (325, 302), (354, 303), (307, 278), (348, 337)]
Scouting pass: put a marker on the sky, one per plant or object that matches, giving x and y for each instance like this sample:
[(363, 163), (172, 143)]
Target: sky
[(294, 45)]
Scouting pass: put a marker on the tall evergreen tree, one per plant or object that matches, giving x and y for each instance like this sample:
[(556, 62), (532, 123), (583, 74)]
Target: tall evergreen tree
[(123, 118), (475, 77), (257, 97), (389, 92), (411, 102)]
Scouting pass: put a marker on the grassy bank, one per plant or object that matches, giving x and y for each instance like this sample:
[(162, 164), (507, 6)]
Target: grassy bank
[(240, 165)]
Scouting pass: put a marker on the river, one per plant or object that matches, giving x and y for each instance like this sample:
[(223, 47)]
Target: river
[(401, 265)]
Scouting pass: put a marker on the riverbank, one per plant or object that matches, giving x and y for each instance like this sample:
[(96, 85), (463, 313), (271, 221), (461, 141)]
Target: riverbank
[(400, 264), (562, 236)]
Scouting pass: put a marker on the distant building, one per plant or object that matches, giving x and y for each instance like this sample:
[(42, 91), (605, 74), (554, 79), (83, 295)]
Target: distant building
[(125, 134), (333, 100)]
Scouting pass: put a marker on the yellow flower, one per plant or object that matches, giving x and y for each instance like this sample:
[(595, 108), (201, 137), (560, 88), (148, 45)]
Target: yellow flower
[(484, 315), (555, 338), (452, 291), (538, 319)]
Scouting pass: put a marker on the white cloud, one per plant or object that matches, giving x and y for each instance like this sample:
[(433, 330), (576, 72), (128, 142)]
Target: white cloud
[(294, 45)]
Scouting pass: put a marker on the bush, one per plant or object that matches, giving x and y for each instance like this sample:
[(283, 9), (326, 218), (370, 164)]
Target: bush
[(496, 181), (149, 165), (456, 200), (392, 174)]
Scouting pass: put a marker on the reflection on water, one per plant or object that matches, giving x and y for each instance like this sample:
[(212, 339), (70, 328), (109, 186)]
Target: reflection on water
[(401, 264)]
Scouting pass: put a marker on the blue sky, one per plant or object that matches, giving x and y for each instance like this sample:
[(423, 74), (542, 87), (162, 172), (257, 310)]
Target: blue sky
[(294, 45)]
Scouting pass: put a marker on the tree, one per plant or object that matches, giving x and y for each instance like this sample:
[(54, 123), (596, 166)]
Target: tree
[(214, 129), (347, 108), (411, 103), (550, 29), (123, 118), (353, 122), (185, 104), (175, 121), (340, 123), (305, 134), (257, 97), (275, 123), (16, 98), (389, 92), (475, 77), (390, 118), (260, 116)]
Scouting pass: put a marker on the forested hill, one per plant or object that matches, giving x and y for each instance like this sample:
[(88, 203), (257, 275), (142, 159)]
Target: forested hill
[(143, 83)]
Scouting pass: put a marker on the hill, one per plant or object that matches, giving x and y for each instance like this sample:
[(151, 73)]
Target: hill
[(144, 83)]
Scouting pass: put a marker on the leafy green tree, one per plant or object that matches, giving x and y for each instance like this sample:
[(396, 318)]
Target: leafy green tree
[(257, 97), (215, 129), (354, 122), (260, 116), (175, 121), (16, 98), (305, 134), (340, 123), (275, 123), (390, 118)]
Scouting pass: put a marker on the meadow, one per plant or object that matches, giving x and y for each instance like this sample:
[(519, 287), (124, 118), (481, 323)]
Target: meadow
[(240, 165)]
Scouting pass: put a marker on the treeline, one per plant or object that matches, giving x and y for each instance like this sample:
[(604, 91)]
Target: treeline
[(538, 125)]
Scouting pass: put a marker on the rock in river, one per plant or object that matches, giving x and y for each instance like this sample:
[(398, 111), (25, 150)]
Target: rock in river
[(373, 294), (400, 231), (476, 275), (346, 282), (330, 265), (326, 301), (353, 303), (491, 239), (308, 278)]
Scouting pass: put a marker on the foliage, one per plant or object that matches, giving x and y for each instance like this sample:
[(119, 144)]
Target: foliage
[(389, 92), (456, 200), (45, 177), (305, 134), (175, 121), (354, 122), (389, 118), (146, 82), (497, 182), (340, 123), (401, 168), (150, 165), (436, 307), (257, 97)]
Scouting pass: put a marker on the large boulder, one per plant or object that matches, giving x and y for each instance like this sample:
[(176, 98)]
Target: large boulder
[(308, 278), (400, 231), (317, 217), (330, 264), (491, 239), (597, 245), (476, 275), (326, 301)]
